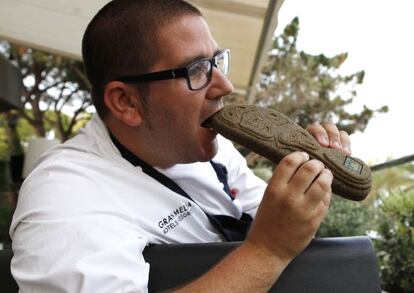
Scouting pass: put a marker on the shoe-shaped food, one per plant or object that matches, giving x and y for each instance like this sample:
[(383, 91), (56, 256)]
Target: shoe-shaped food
[(273, 135)]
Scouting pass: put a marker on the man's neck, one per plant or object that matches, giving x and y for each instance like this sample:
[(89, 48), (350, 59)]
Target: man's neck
[(128, 142)]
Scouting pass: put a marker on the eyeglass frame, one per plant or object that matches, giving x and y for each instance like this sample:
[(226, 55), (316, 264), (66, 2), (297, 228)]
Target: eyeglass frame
[(178, 72)]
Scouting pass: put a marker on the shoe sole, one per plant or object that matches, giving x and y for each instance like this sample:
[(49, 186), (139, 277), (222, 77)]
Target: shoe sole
[(273, 135)]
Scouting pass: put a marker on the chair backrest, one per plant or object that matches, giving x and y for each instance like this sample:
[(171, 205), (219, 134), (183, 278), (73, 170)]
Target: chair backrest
[(340, 265), (7, 283)]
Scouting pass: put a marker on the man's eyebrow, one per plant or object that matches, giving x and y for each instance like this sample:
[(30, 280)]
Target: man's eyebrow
[(217, 51), (198, 57)]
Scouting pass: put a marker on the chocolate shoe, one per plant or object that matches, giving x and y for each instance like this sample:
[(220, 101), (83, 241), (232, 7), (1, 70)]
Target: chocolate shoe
[(273, 135)]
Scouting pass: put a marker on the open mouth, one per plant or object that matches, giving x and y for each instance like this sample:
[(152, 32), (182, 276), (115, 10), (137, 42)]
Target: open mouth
[(206, 123)]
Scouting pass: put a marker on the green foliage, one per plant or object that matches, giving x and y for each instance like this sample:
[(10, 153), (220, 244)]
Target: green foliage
[(263, 172), (395, 242), (4, 144), (25, 132), (346, 218), (307, 87), (388, 180)]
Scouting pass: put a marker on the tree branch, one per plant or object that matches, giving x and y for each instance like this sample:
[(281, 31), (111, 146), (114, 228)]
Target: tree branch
[(74, 120)]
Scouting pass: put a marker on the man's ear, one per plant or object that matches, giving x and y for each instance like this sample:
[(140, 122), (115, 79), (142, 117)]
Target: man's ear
[(123, 102)]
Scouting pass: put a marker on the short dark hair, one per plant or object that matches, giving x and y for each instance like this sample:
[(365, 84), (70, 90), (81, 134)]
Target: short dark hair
[(122, 39)]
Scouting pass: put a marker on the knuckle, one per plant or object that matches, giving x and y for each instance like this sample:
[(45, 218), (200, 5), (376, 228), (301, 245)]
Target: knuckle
[(290, 196), (271, 189), (333, 132), (315, 222), (330, 127), (327, 200), (344, 136), (323, 184), (313, 126), (327, 124), (330, 123), (291, 160), (313, 166)]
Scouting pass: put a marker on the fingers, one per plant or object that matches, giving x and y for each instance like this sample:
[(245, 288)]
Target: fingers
[(293, 206), (319, 189), (326, 201), (305, 175), (312, 180), (303, 179), (320, 211), (346, 142), (287, 167), (333, 135), (318, 132), (328, 135)]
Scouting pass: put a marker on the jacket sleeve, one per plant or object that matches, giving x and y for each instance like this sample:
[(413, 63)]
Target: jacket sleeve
[(69, 238)]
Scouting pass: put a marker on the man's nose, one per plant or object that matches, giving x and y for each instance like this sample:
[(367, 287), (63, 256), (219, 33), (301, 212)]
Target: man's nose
[(220, 84)]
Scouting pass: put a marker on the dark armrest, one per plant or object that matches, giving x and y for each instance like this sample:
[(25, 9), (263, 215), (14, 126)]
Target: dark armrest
[(346, 264)]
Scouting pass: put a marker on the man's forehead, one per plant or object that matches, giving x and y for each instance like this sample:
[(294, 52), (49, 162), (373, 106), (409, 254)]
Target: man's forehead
[(185, 41)]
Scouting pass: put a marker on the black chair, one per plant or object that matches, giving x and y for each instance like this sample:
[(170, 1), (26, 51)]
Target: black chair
[(7, 283), (340, 265)]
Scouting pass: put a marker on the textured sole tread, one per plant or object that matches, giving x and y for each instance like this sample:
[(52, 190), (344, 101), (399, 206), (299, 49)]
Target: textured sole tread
[(273, 135)]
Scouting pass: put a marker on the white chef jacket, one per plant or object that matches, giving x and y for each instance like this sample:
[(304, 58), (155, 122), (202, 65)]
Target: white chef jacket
[(85, 214)]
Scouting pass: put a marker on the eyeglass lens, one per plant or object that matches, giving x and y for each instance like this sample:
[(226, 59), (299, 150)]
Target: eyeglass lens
[(199, 73), (222, 62)]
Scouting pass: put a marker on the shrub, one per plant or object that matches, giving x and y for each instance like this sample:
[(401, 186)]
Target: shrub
[(346, 218), (395, 241)]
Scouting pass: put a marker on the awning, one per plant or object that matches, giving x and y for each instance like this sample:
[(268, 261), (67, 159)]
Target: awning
[(244, 26)]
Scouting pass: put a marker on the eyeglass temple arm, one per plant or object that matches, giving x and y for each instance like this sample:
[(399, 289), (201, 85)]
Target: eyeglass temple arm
[(160, 75)]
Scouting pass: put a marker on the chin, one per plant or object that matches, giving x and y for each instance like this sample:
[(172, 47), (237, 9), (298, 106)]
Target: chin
[(209, 152), (207, 158)]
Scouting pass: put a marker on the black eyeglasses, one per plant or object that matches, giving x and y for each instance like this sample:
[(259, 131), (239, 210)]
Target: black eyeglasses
[(198, 73)]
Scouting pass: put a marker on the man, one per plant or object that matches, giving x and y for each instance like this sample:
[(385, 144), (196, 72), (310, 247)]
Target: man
[(146, 171)]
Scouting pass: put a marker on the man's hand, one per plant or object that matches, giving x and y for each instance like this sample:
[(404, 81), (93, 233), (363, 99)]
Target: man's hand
[(328, 135), (297, 198), (294, 204)]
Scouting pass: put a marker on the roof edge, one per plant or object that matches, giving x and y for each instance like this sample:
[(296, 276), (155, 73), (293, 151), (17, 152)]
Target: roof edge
[(269, 26)]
